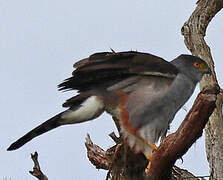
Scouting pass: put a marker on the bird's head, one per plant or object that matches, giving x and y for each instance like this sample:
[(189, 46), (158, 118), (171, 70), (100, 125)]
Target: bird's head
[(192, 66)]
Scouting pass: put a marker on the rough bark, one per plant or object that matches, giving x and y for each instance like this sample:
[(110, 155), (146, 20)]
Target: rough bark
[(123, 164), (194, 31)]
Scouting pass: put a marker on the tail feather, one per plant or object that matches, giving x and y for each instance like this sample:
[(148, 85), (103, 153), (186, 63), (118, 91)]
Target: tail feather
[(52, 123), (89, 109)]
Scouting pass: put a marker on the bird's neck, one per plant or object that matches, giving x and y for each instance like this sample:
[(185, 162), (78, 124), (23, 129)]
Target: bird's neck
[(182, 88)]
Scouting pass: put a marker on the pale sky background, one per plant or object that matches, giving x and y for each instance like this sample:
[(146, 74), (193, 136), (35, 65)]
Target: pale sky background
[(40, 41)]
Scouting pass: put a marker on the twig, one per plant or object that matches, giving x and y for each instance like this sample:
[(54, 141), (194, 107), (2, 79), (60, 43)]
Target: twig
[(115, 138), (36, 169)]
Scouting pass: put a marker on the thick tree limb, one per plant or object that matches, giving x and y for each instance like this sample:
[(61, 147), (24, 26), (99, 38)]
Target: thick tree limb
[(36, 169), (194, 31), (131, 166)]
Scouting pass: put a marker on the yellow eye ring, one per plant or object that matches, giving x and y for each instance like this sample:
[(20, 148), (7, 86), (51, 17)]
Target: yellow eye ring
[(197, 65)]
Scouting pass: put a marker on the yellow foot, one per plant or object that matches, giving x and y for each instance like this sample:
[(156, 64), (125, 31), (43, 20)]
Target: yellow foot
[(153, 146), (148, 168), (149, 165)]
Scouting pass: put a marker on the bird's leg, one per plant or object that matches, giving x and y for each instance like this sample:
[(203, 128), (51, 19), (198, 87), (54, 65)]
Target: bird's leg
[(152, 146), (149, 164), (149, 157)]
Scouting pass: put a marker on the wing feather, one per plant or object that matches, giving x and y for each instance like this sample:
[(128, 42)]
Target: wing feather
[(109, 67)]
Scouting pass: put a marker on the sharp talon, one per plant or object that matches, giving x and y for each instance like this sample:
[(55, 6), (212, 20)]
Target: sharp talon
[(149, 164), (147, 168), (153, 146)]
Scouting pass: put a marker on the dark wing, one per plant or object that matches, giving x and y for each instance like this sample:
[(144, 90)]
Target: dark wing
[(106, 67), (44, 127)]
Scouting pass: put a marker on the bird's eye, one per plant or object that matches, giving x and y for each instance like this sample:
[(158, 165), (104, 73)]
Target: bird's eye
[(196, 64)]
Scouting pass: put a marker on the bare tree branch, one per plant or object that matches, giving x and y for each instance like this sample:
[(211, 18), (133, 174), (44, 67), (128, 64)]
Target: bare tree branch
[(194, 31), (96, 155), (36, 169)]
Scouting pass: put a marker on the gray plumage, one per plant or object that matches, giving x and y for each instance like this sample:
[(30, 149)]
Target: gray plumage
[(141, 90)]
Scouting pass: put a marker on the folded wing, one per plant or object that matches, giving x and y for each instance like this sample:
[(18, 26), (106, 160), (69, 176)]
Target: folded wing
[(102, 69)]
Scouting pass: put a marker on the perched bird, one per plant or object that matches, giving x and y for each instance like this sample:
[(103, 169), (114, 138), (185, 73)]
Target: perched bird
[(141, 91)]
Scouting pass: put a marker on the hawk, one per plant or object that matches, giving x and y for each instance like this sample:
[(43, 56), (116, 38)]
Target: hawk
[(142, 92)]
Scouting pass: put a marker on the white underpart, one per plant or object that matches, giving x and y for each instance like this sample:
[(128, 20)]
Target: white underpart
[(89, 109)]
